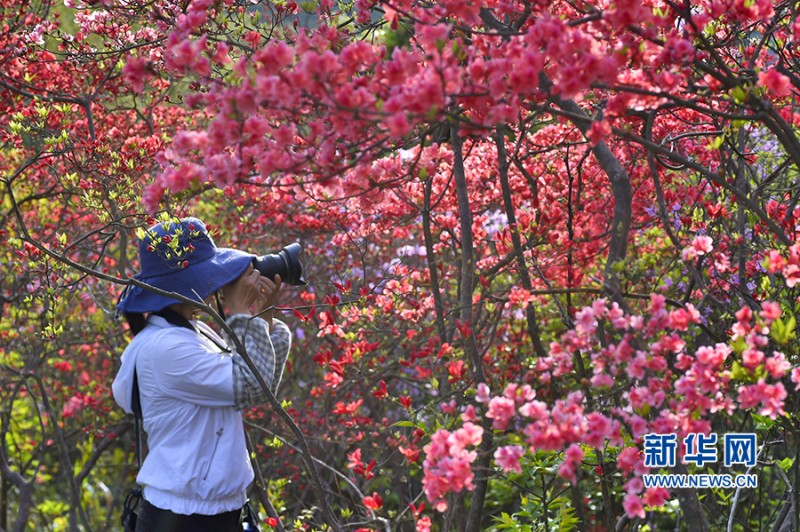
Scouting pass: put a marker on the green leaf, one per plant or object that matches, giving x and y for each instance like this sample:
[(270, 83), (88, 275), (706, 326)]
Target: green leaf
[(739, 94), (739, 345), (786, 463), (51, 507), (782, 332), (569, 521), (739, 373), (791, 324), (431, 114), (762, 422)]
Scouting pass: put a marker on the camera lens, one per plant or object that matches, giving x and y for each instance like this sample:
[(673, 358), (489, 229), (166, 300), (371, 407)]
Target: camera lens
[(285, 263)]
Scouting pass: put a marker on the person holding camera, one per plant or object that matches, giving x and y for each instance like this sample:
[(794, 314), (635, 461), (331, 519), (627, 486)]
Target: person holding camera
[(192, 383)]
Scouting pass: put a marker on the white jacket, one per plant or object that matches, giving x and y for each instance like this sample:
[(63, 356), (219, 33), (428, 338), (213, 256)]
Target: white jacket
[(197, 461)]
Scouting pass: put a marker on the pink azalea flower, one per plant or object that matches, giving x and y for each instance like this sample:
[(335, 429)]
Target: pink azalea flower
[(775, 262), (469, 434), (534, 410), (769, 396), (483, 394), (770, 311), (448, 408), (792, 274), (448, 465), (598, 132), (397, 124), (72, 407), (469, 414), (600, 307), (136, 72), (775, 82), (630, 460), (574, 453), (679, 50), (752, 358), (703, 244), (501, 410), (658, 303), (571, 464), (633, 506), (777, 365), (713, 356), (681, 318), (186, 55), (424, 523), (507, 457), (585, 320), (523, 394), (601, 380), (634, 485)]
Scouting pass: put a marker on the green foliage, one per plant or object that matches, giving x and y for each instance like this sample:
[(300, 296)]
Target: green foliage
[(534, 500), (783, 333)]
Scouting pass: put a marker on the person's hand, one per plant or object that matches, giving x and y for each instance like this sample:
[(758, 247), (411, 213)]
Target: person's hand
[(268, 292), (252, 293)]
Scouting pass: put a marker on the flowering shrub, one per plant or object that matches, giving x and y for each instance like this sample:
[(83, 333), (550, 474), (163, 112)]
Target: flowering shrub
[(648, 376), (534, 233)]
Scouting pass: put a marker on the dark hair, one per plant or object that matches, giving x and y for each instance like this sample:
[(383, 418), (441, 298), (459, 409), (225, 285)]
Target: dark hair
[(136, 322)]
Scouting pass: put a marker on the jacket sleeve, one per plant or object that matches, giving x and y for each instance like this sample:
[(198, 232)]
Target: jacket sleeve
[(268, 351)]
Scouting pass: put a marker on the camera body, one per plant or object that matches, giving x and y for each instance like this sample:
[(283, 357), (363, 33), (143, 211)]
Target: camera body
[(285, 263)]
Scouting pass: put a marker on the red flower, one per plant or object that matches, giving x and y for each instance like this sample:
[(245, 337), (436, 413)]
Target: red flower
[(381, 392), (412, 453), (775, 82), (456, 369), (349, 408), (373, 502), (63, 365)]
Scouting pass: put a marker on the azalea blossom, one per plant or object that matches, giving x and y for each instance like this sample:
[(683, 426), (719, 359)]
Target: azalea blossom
[(507, 457), (775, 82)]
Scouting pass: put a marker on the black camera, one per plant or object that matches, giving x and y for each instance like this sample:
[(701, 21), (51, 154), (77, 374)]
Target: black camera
[(285, 263)]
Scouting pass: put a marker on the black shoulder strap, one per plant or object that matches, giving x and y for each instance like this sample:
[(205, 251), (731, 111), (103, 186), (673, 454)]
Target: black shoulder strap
[(136, 406), (136, 402)]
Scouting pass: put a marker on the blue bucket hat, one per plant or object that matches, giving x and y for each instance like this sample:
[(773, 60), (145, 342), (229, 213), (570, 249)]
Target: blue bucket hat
[(179, 256)]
